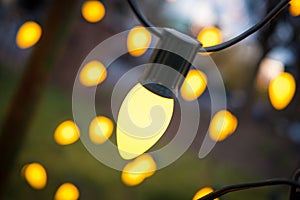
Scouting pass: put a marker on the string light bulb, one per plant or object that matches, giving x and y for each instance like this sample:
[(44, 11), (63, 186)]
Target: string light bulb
[(93, 11), (35, 175), (28, 34), (147, 109), (138, 41)]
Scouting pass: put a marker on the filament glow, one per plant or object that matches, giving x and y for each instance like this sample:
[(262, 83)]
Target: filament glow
[(143, 118), (35, 174), (28, 34), (194, 85), (100, 129), (138, 41), (135, 172), (281, 90)]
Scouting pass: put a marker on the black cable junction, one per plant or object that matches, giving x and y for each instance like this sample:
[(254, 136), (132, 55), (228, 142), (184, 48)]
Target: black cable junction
[(271, 15)]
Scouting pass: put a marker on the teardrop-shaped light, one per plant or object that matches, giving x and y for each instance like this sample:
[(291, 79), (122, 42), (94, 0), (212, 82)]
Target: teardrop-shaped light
[(28, 34), (143, 118), (210, 36), (93, 11), (138, 41), (193, 85), (67, 191), (222, 125), (92, 74), (295, 7), (100, 129), (35, 175), (66, 133), (281, 90)]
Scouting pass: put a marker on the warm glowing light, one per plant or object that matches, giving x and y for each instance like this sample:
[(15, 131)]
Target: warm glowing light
[(138, 41), (210, 36), (135, 172), (203, 192), (281, 90), (92, 74), (67, 191), (101, 129), (222, 125), (35, 175), (143, 118), (194, 85), (295, 7), (28, 34), (66, 133), (93, 11)]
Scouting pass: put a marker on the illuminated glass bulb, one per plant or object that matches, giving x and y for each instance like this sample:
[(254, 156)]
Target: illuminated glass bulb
[(135, 172), (67, 191), (210, 36), (281, 90), (92, 74), (202, 192), (93, 11), (138, 41), (193, 85), (295, 7), (35, 175), (28, 34), (100, 129), (66, 133), (222, 125), (143, 118)]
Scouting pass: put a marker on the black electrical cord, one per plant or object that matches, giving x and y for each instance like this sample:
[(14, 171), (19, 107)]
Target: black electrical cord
[(273, 13), (245, 186)]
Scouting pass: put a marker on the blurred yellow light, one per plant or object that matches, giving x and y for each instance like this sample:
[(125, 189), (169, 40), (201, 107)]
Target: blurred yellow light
[(93, 11), (35, 174), (66, 133), (281, 90), (92, 74), (67, 191), (210, 36), (202, 192), (143, 118), (295, 7), (28, 34), (101, 129), (194, 85), (138, 41), (135, 172), (222, 125)]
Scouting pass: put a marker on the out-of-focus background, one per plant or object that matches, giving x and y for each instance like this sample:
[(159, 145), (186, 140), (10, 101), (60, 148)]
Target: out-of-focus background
[(37, 75)]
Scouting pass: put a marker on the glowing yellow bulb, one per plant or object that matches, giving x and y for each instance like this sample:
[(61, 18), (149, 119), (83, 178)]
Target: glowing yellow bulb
[(203, 192), (101, 129), (281, 90), (210, 36), (92, 74), (135, 172), (222, 125), (67, 191), (93, 11), (194, 85), (295, 7), (138, 41), (143, 118), (66, 133), (35, 174), (28, 34)]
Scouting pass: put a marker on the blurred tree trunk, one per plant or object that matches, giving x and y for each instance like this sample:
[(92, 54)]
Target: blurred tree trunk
[(37, 72)]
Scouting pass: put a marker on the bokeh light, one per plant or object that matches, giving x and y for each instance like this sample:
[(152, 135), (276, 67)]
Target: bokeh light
[(66, 133), (210, 36), (281, 90), (92, 74), (202, 192), (67, 191), (222, 125), (295, 7), (135, 172), (143, 119), (28, 34), (138, 41), (93, 11), (35, 175), (194, 85), (100, 129)]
